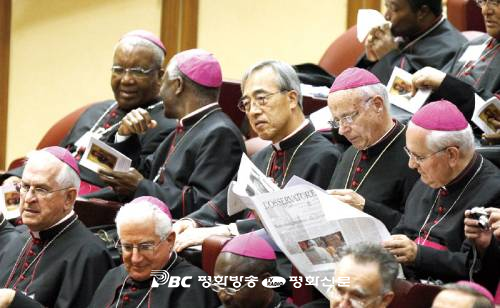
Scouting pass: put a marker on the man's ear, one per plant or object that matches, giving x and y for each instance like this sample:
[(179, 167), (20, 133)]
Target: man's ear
[(159, 80), (454, 155), (293, 99), (171, 237), (378, 103), (70, 198), (180, 85)]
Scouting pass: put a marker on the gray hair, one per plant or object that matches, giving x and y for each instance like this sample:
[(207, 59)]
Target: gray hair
[(372, 90), (287, 77), (370, 252), (142, 211), (211, 94), (481, 301), (67, 177), (158, 55), (439, 140)]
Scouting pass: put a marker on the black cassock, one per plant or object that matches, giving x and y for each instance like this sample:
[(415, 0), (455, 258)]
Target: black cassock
[(65, 274), (103, 116), (135, 292), (436, 48), (193, 164), (437, 216), (306, 154), (488, 273), (7, 233), (380, 174)]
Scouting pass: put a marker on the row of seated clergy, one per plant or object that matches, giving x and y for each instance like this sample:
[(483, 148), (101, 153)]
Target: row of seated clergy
[(133, 89), (187, 168)]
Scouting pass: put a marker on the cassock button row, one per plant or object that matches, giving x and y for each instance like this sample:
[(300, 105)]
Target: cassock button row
[(280, 153), (133, 289), (275, 168), (31, 253), (113, 114), (359, 169), (440, 210), (25, 265), (443, 192), (22, 277), (125, 298), (106, 125), (436, 221), (364, 156), (354, 184)]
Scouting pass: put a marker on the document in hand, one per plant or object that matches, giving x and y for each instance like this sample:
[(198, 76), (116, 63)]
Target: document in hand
[(368, 20), (400, 91), (310, 226), (9, 201), (99, 155), (487, 114)]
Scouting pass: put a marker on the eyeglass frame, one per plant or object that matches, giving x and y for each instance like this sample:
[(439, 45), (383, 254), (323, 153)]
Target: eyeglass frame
[(482, 3), (136, 72), (38, 192), (348, 119), (119, 247), (229, 291), (354, 302), (260, 101), (420, 159)]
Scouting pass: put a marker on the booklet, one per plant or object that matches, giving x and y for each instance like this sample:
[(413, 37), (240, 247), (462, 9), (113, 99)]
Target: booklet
[(321, 119), (99, 155), (487, 114), (9, 201), (400, 89), (368, 20)]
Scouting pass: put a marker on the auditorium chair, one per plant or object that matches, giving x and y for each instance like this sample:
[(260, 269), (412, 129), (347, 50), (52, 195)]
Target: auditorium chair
[(465, 15)]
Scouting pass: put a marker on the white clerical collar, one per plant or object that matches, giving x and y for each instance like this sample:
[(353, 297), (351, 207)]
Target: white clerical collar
[(385, 135), (36, 234), (304, 124), (197, 111)]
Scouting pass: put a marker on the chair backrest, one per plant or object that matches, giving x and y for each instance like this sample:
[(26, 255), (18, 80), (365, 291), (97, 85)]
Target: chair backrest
[(465, 15), (210, 249), (401, 289), (342, 53), (492, 153), (96, 212), (230, 93), (61, 128)]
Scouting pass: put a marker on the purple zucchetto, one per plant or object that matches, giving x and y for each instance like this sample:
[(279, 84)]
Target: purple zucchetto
[(63, 155), (477, 287), (147, 36), (154, 201), (441, 116), (352, 78), (250, 245), (200, 66)]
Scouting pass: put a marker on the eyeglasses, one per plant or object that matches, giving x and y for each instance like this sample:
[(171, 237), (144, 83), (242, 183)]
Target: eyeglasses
[(261, 100), (38, 192), (142, 248), (418, 158), (356, 302), (493, 3), (346, 120), (229, 291), (136, 72)]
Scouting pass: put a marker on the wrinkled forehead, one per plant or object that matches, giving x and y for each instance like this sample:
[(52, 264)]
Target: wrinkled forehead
[(344, 101), (42, 167)]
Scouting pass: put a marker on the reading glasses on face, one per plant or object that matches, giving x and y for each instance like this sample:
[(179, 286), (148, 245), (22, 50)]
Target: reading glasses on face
[(229, 291), (142, 248), (136, 72), (260, 100), (419, 158), (493, 3), (36, 191)]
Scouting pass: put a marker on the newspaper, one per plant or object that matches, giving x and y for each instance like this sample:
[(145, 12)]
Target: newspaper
[(400, 91), (9, 201), (367, 20), (306, 223), (99, 155), (321, 119), (251, 181), (487, 114)]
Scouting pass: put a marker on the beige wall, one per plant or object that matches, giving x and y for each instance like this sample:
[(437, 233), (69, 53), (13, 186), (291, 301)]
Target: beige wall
[(241, 33), (61, 53), (61, 50)]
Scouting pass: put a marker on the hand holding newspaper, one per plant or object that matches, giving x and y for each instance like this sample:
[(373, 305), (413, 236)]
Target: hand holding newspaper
[(307, 224), (99, 155)]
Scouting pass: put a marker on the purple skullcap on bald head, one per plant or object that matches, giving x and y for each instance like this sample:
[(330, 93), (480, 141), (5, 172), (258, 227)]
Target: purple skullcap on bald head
[(65, 156), (200, 66), (154, 201), (477, 287), (147, 36), (440, 115), (352, 78), (250, 245)]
